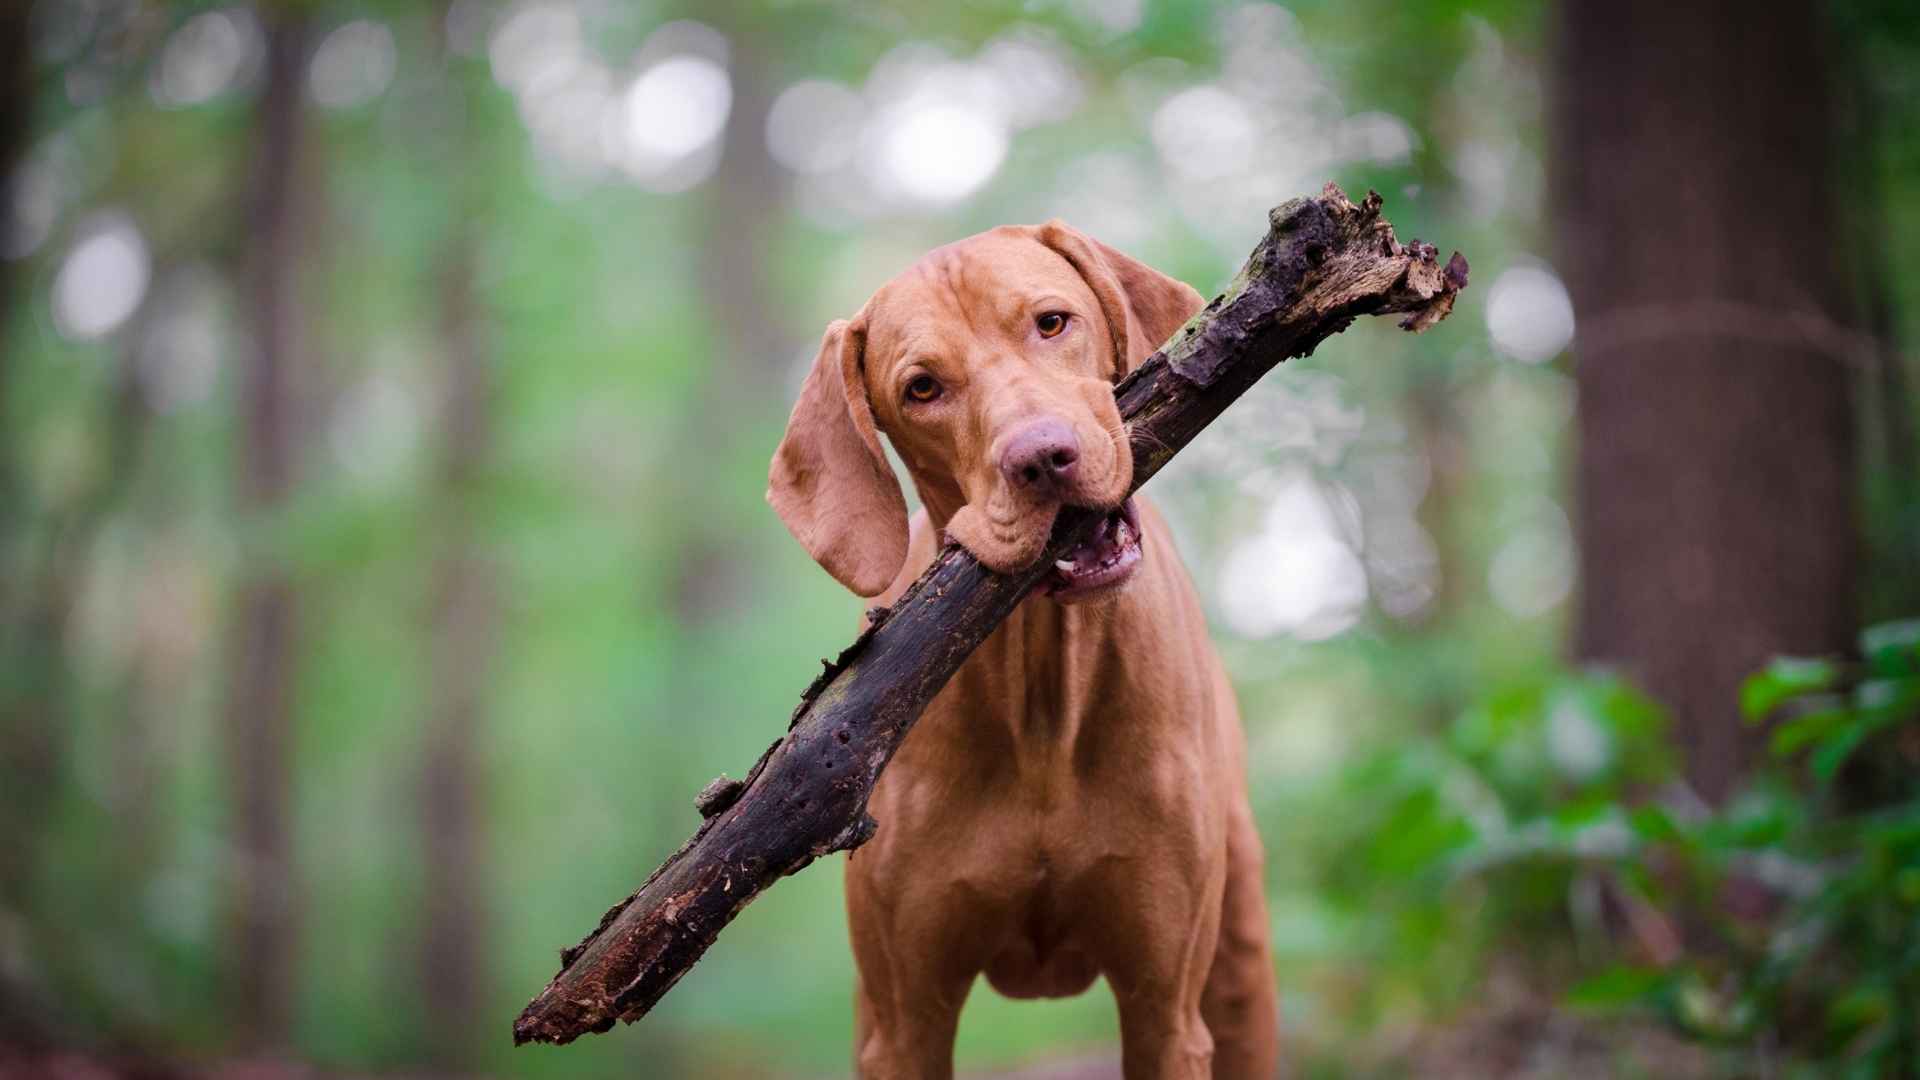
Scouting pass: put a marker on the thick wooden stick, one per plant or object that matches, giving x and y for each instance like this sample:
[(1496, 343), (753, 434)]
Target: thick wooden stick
[(1323, 263)]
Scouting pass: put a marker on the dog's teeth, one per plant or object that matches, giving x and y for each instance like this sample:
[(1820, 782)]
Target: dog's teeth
[(1064, 565)]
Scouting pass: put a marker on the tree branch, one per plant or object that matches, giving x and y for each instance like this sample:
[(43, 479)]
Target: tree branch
[(1323, 263)]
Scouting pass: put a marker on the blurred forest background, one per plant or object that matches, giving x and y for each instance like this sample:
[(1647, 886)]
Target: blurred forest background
[(386, 394)]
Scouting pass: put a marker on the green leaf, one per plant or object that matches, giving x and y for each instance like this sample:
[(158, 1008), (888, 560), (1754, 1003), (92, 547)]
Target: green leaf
[(1906, 886), (1617, 986), (1581, 813), (1786, 677), (1833, 753), (1803, 731), (1859, 1008), (1892, 648), (1653, 823), (1886, 701)]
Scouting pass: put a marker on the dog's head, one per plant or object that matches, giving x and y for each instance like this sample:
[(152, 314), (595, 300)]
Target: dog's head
[(990, 364)]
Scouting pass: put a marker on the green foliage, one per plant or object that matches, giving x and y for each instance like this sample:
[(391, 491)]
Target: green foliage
[(1781, 930)]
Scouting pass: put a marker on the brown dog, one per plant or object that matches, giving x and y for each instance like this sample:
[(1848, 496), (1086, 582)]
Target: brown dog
[(1073, 804)]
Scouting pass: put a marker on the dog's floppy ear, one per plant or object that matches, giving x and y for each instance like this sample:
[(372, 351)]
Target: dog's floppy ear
[(830, 482), (1143, 306)]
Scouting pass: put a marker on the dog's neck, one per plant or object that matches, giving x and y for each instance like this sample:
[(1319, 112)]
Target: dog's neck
[(1044, 681), (1055, 660)]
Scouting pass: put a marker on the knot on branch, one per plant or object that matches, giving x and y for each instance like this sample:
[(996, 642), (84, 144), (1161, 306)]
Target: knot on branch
[(719, 794), (855, 834)]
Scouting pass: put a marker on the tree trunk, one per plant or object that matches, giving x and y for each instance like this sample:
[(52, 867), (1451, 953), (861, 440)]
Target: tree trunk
[(743, 208), (745, 205), (28, 734), (16, 126), (265, 627), (453, 942), (16, 112), (1696, 226)]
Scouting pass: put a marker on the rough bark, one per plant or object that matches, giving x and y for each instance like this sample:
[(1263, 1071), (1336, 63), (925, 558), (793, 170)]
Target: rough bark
[(1323, 263), (1695, 216), (260, 703)]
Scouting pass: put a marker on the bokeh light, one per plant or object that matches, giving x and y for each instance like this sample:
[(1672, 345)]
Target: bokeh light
[(1529, 314), (353, 65), (1204, 133), (103, 279), (677, 106), (1532, 572), (1298, 575), (939, 153), (814, 126), (939, 131), (376, 430), (208, 55)]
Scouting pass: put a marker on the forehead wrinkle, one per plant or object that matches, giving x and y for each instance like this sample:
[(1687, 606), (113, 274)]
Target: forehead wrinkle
[(1026, 272), (953, 276), (935, 286), (1006, 301), (891, 347), (985, 285)]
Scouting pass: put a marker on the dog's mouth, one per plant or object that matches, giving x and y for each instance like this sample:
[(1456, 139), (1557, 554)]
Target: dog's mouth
[(1104, 561)]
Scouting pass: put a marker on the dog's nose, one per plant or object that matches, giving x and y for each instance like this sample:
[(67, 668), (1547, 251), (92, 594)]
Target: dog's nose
[(1041, 455)]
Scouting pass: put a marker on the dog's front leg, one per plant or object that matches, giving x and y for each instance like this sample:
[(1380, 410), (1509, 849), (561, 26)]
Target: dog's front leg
[(1162, 1034), (906, 1040), (1162, 936), (916, 955)]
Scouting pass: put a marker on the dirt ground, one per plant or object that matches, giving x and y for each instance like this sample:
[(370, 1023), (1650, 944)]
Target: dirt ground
[(1521, 1044)]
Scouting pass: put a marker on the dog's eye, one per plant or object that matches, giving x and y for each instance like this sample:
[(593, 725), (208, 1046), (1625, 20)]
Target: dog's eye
[(1051, 323), (923, 388)]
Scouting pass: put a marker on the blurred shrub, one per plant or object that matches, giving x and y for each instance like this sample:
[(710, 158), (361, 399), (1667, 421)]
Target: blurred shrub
[(1545, 832)]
